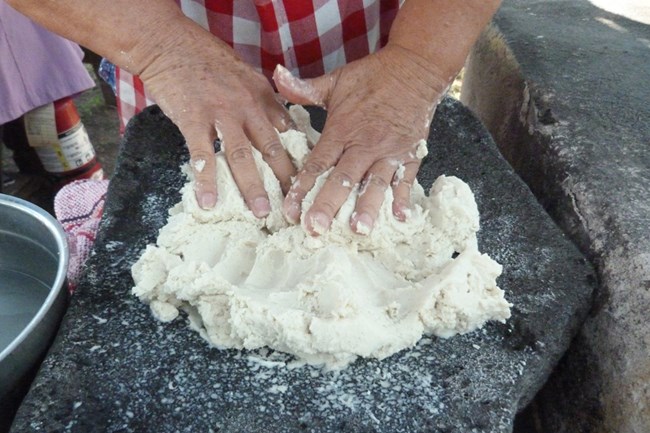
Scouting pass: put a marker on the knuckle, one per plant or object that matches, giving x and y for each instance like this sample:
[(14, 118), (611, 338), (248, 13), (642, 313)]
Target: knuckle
[(199, 144), (377, 182), (201, 154), (342, 179), (405, 183), (313, 168), (298, 189), (272, 150), (296, 194), (286, 119), (189, 123), (240, 154)]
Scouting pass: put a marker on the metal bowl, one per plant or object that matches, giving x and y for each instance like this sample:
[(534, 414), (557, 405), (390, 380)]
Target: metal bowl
[(33, 291)]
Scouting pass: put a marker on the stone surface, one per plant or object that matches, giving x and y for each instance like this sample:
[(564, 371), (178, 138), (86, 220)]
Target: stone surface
[(115, 368), (567, 101)]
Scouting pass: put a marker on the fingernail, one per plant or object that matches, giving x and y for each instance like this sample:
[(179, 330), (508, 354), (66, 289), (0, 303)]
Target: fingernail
[(292, 212), (207, 200), (401, 212), (364, 223), (261, 207), (319, 222)]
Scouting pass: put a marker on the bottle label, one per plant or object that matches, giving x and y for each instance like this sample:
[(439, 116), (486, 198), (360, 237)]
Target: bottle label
[(40, 126), (59, 153), (72, 151)]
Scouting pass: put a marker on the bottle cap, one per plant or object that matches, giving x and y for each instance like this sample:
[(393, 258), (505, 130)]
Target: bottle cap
[(65, 114)]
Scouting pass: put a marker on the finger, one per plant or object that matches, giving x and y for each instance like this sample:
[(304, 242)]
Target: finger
[(266, 140), (239, 155), (371, 197), (278, 114), (199, 137), (402, 185), (336, 189), (319, 160), (315, 91)]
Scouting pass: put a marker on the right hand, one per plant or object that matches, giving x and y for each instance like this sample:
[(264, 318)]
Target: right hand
[(205, 89)]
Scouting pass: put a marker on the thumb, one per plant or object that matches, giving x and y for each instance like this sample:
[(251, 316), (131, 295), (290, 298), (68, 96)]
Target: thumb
[(315, 91)]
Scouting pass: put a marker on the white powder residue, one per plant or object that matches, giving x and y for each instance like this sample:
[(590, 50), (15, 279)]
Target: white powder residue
[(199, 165), (399, 174), (302, 87), (421, 149), (362, 228), (252, 283), (301, 118)]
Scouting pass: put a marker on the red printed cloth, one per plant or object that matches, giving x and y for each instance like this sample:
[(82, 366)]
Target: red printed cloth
[(309, 38), (79, 206)]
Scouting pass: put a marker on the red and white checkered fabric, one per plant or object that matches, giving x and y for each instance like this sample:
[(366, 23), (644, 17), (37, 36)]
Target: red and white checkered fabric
[(308, 37)]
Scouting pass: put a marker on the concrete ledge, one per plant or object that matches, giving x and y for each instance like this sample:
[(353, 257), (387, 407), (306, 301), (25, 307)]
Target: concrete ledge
[(563, 88)]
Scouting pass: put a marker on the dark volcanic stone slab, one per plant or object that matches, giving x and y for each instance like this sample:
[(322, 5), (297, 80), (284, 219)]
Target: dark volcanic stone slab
[(115, 368)]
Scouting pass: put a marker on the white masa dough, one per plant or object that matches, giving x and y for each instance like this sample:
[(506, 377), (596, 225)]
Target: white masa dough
[(248, 283)]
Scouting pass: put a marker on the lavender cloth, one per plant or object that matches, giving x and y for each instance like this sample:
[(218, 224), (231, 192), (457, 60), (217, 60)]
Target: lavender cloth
[(36, 66)]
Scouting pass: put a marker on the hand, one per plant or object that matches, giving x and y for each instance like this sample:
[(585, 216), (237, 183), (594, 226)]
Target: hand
[(379, 108), (207, 91)]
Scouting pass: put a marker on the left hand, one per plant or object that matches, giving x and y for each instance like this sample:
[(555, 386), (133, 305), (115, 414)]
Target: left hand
[(379, 108)]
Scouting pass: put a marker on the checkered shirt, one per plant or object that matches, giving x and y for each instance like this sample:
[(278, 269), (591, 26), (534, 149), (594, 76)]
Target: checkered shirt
[(308, 37)]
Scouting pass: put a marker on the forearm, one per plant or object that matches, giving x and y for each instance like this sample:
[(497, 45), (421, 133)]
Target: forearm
[(129, 33), (441, 32)]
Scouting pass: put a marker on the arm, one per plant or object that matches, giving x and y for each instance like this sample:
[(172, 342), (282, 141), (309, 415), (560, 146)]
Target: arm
[(440, 33), (379, 107), (109, 27), (177, 60)]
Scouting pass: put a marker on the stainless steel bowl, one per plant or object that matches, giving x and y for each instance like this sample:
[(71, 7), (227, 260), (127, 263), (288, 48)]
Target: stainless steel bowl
[(33, 291)]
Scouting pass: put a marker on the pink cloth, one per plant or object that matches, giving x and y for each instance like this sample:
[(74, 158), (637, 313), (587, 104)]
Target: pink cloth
[(79, 206), (309, 38), (36, 66)]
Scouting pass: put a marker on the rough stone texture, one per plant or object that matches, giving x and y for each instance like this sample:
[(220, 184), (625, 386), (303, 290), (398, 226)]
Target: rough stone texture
[(115, 368), (575, 129)]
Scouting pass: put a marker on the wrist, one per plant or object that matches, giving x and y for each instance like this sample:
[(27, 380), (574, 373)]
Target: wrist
[(158, 41), (424, 76), (439, 34)]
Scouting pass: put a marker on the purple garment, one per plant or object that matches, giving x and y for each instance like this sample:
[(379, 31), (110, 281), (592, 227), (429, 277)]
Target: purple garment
[(36, 66)]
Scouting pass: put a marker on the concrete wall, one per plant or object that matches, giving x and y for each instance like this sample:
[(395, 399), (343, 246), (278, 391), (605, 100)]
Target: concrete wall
[(601, 200)]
